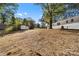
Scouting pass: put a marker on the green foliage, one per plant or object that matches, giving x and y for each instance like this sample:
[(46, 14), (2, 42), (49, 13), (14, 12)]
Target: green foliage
[(28, 22), (3, 18), (72, 6), (50, 10), (25, 21), (7, 16), (7, 10), (17, 24), (8, 30), (13, 20)]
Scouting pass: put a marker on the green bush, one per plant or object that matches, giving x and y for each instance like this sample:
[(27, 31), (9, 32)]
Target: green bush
[(8, 30)]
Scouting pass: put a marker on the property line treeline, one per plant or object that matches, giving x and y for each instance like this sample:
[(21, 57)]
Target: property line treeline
[(13, 23)]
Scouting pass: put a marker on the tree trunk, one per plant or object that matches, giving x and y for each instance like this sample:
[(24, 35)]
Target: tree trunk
[(51, 20), (50, 23), (3, 21)]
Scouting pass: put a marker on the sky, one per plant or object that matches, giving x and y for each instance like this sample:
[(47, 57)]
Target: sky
[(29, 10)]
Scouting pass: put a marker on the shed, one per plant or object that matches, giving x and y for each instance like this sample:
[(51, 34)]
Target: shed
[(2, 26)]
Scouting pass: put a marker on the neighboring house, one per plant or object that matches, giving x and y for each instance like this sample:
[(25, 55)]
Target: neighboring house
[(24, 27), (70, 23), (2, 26)]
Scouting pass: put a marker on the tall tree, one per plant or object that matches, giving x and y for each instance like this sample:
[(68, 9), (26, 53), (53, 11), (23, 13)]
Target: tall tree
[(50, 10)]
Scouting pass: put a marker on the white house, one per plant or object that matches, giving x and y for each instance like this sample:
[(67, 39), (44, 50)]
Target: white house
[(70, 23), (23, 27)]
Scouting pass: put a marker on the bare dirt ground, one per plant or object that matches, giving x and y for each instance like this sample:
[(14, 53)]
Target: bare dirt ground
[(41, 42)]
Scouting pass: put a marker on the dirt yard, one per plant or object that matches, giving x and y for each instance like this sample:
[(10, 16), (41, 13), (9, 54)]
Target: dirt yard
[(40, 42)]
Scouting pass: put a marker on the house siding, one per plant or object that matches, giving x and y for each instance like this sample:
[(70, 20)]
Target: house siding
[(70, 23)]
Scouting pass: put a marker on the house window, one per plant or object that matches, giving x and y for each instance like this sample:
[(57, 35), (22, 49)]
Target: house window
[(58, 23), (72, 20), (67, 21)]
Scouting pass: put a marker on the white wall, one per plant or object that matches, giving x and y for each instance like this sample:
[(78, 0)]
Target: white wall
[(69, 26)]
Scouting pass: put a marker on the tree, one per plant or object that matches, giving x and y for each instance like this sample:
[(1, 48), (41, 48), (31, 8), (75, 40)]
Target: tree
[(13, 20), (25, 21), (7, 10), (43, 22), (3, 17), (38, 25), (17, 24), (71, 9), (53, 10), (50, 10), (31, 23)]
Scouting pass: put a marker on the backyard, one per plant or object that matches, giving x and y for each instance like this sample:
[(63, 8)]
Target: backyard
[(41, 42), (32, 29)]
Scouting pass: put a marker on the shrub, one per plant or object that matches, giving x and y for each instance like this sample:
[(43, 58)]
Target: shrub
[(8, 30)]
